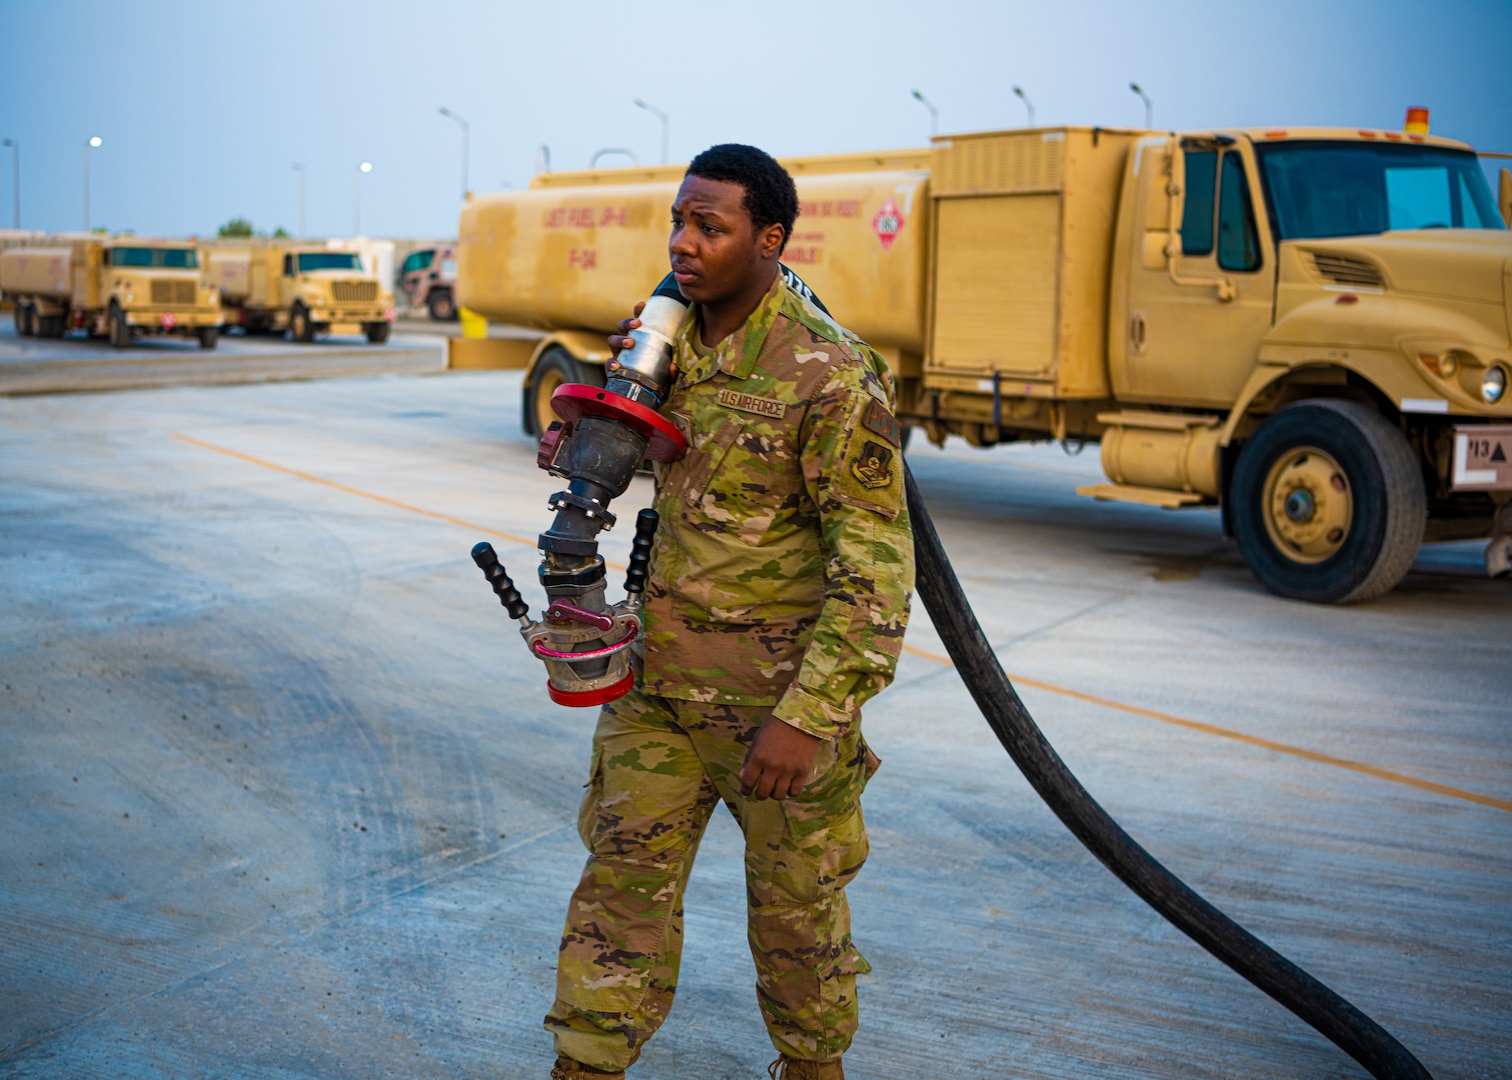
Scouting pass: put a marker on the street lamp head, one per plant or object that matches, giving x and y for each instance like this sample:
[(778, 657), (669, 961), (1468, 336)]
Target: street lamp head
[(7, 142), (95, 140), (918, 96), (366, 166), (1018, 91), (1134, 86), (443, 110)]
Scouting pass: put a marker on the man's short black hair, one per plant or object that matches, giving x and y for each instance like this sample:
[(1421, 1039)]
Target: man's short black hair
[(771, 198)]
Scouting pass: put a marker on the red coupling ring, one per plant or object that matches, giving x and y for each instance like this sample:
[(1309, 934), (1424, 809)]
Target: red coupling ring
[(585, 698), (573, 401)]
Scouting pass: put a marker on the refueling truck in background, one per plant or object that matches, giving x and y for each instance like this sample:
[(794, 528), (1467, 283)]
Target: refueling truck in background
[(1310, 328), (304, 289), (118, 288)]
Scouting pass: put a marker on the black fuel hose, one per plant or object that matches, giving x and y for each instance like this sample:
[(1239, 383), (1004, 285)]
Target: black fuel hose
[(1336, 1019)]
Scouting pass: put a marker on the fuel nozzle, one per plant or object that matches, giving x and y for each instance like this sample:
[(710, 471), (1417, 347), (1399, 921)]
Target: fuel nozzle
[(603, 436)]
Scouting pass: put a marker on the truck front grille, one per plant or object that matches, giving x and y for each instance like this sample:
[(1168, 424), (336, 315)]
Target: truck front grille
[(1342, 270), (360, 292), (173, 292)]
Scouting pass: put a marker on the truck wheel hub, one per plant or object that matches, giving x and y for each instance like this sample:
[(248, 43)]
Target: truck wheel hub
[(1300, 506), (1307, 505)]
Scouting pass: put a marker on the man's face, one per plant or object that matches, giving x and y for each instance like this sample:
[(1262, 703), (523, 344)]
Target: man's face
[(716, 252)]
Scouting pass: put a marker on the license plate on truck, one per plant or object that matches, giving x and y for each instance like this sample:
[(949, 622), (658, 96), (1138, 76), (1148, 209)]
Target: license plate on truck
[(1482, 458)]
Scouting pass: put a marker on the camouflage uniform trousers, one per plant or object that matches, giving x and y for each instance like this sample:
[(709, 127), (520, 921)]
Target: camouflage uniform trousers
[(660, 767)]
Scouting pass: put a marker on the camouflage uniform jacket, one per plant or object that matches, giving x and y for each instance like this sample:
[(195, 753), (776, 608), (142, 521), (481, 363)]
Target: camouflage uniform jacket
[(784, 561)]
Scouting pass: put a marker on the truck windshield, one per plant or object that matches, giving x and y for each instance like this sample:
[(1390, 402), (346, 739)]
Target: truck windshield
[(1321, 189), (328, 260), (174, 258)]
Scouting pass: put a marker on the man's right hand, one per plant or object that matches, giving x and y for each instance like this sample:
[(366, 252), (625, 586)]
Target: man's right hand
[(622, 340)]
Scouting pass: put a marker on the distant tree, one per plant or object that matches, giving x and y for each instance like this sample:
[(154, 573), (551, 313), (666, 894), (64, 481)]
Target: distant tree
[(280, 233), (237, 226)]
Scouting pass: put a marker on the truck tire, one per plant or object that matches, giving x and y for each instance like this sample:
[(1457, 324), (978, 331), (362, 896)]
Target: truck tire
[(441, 306), (49, 326), (377, 332), (300, 326), (556, 367), (120, 330), (208, 335), (1328, 503), (23, 318)]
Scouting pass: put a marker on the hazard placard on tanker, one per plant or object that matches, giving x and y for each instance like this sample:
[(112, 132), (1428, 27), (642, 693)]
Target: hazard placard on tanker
[(1483, 458)]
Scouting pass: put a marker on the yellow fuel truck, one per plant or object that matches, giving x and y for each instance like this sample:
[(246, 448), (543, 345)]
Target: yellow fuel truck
[(118, 288), (1308, 327), (304, 289)]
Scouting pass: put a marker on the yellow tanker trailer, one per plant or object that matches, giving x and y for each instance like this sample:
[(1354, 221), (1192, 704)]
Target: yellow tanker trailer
[(121, 288), (1308, 327)]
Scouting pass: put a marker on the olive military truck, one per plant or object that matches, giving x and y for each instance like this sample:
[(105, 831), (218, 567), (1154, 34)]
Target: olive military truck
[(118, 288), (1306, 327), (269, 287)]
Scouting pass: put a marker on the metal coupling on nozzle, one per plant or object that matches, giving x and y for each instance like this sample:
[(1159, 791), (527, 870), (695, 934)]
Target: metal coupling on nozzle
[(586, 651)]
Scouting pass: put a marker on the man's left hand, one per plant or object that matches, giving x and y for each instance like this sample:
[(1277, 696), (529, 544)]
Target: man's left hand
[(778, 763)]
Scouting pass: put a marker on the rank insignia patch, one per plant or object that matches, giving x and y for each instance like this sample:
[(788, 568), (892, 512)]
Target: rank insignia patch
[(873, 466), (878, 419)]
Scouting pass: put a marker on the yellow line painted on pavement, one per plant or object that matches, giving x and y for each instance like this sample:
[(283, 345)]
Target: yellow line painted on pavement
[(1239, 736), (1091, 699)]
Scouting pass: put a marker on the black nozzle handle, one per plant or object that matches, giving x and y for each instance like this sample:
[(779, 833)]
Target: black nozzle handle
[(640, 551), (493, 570)]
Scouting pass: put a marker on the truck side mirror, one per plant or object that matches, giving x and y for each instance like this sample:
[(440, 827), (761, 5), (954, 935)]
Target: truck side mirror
[(1164, 200), (1504, 198)]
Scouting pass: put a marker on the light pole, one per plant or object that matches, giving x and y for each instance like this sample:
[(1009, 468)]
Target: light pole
[(664, 122), (444, 111), (1149, 109), (365, 167), (92, 141), (934, 113), (543, 159), (15, 179), (1018, 92), (300, 169)]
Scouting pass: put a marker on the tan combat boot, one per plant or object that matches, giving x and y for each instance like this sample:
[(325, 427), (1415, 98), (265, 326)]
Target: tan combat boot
[(786, 1068), (567, 1069)]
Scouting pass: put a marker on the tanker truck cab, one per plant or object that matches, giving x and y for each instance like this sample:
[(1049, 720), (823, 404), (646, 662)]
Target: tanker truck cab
[(330, 291), (1312, 327), (156, 289)]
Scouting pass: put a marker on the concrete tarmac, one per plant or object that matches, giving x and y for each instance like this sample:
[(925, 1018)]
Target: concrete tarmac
[(77, 363), (284, 796)]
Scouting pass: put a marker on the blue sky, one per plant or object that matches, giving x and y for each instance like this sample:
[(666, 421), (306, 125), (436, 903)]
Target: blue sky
[(203, 106)]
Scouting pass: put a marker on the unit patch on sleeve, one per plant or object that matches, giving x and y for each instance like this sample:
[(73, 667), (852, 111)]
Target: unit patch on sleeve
[(734, 399), (878, 419), (873, 465)]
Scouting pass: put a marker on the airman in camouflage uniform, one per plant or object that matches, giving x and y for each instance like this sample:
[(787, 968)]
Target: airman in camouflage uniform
[(780, 587)]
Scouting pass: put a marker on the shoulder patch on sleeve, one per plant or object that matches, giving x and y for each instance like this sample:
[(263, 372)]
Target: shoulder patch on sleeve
[(871, 476), (879, 419)]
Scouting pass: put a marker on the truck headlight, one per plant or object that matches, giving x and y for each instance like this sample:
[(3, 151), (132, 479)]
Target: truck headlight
[(1493, 384)]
